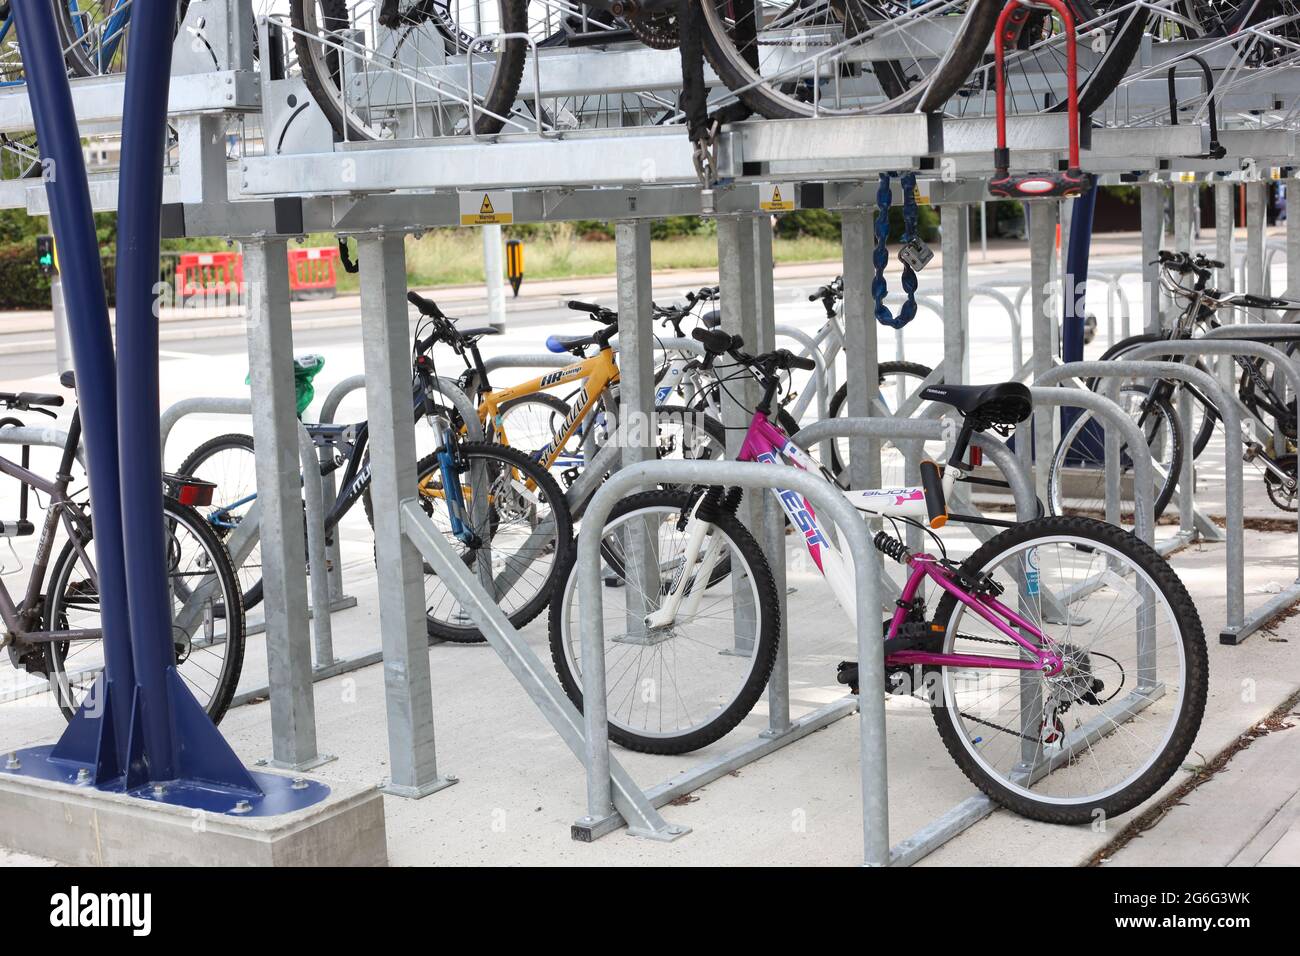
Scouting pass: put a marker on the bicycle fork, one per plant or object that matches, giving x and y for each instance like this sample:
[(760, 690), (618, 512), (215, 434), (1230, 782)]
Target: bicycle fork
[(697, 565)]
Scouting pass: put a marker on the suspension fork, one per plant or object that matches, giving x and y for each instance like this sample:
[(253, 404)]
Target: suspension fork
[(696, 566)]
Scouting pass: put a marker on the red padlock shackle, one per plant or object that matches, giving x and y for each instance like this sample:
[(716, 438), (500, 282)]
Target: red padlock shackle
[(1001, 34)]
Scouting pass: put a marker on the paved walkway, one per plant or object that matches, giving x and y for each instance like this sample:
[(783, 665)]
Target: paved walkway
[(1248, 814)]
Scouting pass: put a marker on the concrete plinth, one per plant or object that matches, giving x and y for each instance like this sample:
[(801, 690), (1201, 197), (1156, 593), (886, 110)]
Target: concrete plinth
[(87, 827)]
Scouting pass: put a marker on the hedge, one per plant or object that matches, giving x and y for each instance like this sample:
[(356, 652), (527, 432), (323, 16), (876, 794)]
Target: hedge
[(22, 285)]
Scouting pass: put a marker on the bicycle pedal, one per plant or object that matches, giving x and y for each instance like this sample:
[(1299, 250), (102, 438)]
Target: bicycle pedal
[(896, 679), (847, 673)]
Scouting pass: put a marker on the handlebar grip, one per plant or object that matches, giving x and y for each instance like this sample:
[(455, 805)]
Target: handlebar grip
[(587, 307), (40, 398), (426, 306), (806, 364), (932, 484)]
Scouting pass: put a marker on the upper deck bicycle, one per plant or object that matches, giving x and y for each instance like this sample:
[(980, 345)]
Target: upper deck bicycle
[(1054, 715)]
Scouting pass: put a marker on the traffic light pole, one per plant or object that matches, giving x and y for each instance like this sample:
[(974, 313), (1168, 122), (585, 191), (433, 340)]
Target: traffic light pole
[(62, 342)]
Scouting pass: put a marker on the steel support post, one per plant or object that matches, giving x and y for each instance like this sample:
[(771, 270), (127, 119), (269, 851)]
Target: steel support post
[(284, 561), (1256, 220), (861, 357), (1153, 229), (636, 429), (1042, 237), (1184, 195), (773, 523), (202, 169), (738, 307), (1224, 248), (1223, 233), (1292, 241), (386, 349), (954, 219)]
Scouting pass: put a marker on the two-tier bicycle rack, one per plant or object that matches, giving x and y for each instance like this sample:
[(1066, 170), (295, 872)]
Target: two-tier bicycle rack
[(291, 178)]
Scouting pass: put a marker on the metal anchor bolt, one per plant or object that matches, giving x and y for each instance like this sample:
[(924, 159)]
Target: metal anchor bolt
[(242, 806), (83, 775), (299, 783), (159, 791), (13, 763)]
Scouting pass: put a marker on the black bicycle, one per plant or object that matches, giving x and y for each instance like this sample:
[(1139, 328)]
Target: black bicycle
[(1076, 481), (53, 628)]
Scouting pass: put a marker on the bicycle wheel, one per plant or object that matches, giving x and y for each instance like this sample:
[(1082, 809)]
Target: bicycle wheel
[(677, 688), (776, 56), (1267, 394), (688, 434), (1076, 481), (229, 463), (898, 380), (1204, 415), (208, 618), (384, 71), (1107, 730), (524, 537), (530, 422), (94, 34)]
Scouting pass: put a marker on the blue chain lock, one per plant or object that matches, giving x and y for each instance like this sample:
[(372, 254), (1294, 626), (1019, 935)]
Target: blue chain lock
[(880, 254)]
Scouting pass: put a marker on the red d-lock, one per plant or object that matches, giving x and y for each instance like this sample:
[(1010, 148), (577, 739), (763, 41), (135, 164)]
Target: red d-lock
[(1004, 184)]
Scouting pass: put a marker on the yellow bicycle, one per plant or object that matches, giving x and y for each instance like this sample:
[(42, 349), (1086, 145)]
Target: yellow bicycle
[(547, 428)]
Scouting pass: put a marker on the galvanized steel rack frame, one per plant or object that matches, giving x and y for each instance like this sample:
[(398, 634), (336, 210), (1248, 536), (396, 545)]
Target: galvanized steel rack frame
[(378, 193)]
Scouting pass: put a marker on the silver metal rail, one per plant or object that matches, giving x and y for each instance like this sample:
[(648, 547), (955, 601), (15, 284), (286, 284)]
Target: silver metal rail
[(1144, 474), (831, 503), (1237, 340)]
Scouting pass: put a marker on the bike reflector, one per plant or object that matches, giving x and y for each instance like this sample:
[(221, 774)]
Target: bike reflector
[(194, 492)]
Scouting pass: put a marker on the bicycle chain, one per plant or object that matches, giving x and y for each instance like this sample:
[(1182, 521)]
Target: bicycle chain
[(980, 720)]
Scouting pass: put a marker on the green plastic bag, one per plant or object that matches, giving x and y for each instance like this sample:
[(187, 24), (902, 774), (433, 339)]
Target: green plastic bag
[(305, 368)]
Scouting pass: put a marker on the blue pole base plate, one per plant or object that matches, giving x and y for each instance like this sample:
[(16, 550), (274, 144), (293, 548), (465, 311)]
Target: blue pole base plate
[(278, 794)]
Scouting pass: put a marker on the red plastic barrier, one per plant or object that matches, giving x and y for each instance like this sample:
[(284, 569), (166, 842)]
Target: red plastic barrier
[(209, 274), (311, 272), (221, 274)]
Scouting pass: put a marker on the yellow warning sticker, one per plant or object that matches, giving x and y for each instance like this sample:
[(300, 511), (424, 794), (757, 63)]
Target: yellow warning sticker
[(494, 208), (771, 197)]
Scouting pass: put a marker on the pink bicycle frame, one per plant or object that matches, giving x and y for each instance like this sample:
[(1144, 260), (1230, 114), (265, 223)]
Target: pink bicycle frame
[(766, 442)]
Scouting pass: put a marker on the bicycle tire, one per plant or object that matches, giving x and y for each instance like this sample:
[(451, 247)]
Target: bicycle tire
[(232, 612), (441, 629), (1195, 683), (840, 399), (555, 404), (1068, 446), (926, 94), (191, 467), (764, 652), (75, 55), (1210, 415), (320, 67)]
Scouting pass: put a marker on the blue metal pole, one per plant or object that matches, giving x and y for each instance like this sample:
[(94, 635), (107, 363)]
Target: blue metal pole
[(144, 125), (1091, 440), (169, 728), (1076, 265), (92, 353)]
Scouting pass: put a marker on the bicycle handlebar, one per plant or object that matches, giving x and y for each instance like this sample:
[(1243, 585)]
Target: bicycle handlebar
[(425, 306), (30, 401)]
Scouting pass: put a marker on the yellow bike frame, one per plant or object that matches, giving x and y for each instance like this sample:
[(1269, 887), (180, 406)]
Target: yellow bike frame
[(598, 373)]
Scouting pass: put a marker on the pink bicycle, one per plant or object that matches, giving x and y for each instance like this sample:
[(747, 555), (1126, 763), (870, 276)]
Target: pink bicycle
[(1063, 661)]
